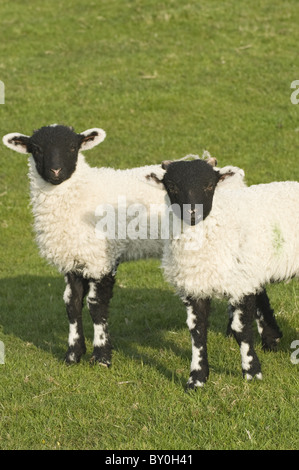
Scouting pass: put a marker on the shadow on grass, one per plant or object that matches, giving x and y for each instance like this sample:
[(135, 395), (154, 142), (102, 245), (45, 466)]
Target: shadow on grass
[(32, 309)]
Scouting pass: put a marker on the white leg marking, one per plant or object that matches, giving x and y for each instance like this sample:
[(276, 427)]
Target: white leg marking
[(72, 357), (199, 384), (196, 384), (237, 325), (92, 294), (191, 318), (246, 360), (196, 357), (100, 338), (67, 294), (73, 334), (258, 322), (258, 376)]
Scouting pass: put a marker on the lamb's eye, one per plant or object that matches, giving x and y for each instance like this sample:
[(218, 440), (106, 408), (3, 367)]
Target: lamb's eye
[(37, 150), (73, 148)]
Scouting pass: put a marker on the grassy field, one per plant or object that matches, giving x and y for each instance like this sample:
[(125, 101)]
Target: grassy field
[(164, 79)]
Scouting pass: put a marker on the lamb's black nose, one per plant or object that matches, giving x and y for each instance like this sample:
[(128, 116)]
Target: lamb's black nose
[(56, 172)]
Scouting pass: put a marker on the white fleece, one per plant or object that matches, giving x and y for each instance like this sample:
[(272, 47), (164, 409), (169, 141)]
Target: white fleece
[(65, 220), (250, 238)]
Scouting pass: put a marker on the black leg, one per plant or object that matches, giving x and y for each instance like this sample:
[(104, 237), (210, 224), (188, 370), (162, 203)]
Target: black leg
[(267, 327), (197, 321), (98, 299), (76, 289), (266, 323), (241, 325), (230, 312)]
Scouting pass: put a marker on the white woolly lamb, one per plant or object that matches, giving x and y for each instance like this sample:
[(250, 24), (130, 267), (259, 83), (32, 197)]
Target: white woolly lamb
[(244, 239), (65, 194)]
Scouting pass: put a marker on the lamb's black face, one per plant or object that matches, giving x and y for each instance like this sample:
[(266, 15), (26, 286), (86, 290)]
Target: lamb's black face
[(55, 152), (190, 184)]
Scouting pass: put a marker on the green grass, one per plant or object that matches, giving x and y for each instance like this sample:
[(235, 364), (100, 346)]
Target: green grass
[(164, 79)]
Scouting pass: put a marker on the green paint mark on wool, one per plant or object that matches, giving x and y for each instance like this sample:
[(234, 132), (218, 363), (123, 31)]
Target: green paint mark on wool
[(278, 240)]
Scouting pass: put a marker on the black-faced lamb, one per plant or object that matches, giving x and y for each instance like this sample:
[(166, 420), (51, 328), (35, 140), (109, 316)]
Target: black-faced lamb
[(240, 241), (66, 194)]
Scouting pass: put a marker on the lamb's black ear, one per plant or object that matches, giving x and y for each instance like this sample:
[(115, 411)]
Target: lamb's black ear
[(154, 180), (91, 138), (229, 172), (18, 142), (218, 175)]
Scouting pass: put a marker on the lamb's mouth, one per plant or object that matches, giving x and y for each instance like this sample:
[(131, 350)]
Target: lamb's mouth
[(55, 181), (192, 219)]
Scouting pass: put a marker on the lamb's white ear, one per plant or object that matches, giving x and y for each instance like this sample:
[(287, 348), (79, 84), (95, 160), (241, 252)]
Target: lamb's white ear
[(91, 138), (17, 142), (212, 161), (165, 164), (229, 171)]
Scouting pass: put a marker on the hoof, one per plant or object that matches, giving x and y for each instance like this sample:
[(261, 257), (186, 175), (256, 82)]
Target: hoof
[(270, 345), (71, 358), (74, 354), (250, 377), (101, 362), (191, 385), (101, 356), (196, 380)]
